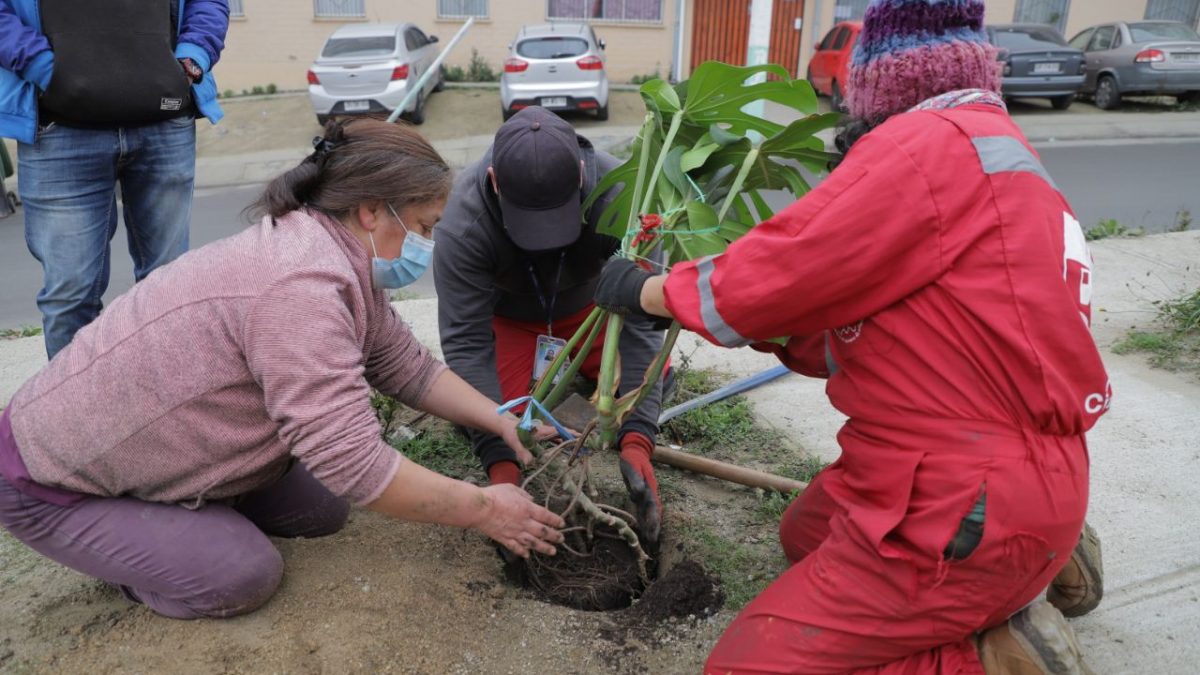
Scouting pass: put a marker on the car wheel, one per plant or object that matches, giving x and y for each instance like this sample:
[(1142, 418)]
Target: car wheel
[(835, 97), (1108, 96), (506, 113), (1189, 97), (441, 83), (602, 113), (417, 116), (808, 77), (1062, 102)]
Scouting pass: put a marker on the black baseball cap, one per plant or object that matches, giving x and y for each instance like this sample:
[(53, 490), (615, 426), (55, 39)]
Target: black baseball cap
[(536, 160)]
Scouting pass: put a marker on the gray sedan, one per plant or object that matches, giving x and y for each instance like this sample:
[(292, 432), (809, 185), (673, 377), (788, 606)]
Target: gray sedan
[(1143, 58), (1038, 63)]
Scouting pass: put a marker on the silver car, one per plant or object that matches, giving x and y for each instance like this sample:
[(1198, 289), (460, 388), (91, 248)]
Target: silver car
[(1038, 63), (1140, 58), (368, 68), (558, 67)]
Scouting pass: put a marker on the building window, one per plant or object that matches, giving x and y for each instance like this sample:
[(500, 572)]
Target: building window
[(339, 9), (620, 11), (1048, 12), (461, 9), (236, 9), (850, 10), (1185, 11)]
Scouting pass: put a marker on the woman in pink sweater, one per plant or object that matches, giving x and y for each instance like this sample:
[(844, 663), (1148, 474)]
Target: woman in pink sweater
[(226, 397)]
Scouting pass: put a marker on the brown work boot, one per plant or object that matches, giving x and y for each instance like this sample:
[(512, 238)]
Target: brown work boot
[(1078, 587), (1035, 641)]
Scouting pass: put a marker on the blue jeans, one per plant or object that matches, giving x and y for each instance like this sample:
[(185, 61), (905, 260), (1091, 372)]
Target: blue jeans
[(68, 183)]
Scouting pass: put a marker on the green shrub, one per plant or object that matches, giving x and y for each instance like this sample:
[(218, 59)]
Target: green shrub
[(228, 93), (455, 74), (271, 88), (479, 70)]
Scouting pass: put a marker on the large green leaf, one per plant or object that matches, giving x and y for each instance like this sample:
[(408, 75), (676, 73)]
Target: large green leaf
[(717, 92)]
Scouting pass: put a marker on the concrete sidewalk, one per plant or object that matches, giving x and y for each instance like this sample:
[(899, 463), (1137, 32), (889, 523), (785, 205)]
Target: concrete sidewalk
[(1145, 453), (264, 136)]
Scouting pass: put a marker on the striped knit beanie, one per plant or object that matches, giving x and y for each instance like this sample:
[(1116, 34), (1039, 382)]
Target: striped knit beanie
[(912, 50)]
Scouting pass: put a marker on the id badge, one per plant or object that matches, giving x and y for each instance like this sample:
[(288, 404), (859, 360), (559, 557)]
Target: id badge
[(548, 349)]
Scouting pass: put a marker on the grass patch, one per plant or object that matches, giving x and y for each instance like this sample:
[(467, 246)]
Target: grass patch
[(724, 428), (434, 444), (1174, 342), (745, 569), (22, 332)]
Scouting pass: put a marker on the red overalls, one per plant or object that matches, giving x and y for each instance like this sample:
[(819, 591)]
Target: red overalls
[(948, 288)]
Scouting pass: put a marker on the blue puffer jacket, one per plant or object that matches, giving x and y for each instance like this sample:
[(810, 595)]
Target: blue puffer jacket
[(26, 61)]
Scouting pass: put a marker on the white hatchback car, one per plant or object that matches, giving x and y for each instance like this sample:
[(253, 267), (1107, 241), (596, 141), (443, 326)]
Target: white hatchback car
[(558, 67), (368, 68)]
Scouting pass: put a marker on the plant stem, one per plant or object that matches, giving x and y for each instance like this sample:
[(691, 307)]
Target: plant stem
[(552, 399), (653, 373), (736, 189), (607, 384), (543, 385), (648, 197), (648, 127)]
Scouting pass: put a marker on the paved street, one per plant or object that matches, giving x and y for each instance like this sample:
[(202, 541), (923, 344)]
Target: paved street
[(1139, 184)]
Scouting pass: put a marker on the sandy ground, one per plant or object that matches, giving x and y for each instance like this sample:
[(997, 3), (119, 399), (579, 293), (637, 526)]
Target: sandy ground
[(389, 597)]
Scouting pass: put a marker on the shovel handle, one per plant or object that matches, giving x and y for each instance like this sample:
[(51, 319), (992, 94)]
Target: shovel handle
[(726, 471)]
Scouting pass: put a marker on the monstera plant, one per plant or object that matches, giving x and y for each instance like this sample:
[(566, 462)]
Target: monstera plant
[(693, 185)]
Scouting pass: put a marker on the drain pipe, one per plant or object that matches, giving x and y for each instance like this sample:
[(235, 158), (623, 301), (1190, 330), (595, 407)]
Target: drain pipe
[(677, 69), (414, 90)]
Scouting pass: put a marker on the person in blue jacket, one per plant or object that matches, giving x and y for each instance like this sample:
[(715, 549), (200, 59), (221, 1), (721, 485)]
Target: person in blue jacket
[(99, 94)]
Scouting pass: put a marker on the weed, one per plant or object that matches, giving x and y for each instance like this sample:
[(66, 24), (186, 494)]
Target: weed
[(1176, 342), (642, 79), (258, 90), (1183, 221), (803, 468), (479, 70), (771, 505), (1111, 227), (271, 88), (22, 332), (455, 74), (401, 294)]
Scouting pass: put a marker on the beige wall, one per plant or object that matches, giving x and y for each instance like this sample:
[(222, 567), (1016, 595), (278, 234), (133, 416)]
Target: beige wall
[(278, 39)]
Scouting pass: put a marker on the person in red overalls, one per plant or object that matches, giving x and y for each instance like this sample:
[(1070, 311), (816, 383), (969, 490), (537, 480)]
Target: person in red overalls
[(940, 281)]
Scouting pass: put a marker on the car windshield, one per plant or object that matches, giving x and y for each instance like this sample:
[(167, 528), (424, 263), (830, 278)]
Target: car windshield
[(366, 46), (1150, 32), (552, 48), (1027, 38)]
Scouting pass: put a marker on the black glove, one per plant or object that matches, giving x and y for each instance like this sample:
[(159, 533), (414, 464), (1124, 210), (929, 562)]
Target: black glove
[(620, 287)]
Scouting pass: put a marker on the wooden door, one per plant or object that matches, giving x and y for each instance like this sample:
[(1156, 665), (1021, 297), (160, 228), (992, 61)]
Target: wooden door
[(720, 31), (785, 34)]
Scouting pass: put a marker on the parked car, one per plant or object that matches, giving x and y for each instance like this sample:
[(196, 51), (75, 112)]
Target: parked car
[(1143, 58), (829, 69), (368, 68), (1038, 63), (557, 66)]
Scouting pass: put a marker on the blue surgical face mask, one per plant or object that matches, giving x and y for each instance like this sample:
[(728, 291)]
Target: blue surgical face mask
[(415, 256)]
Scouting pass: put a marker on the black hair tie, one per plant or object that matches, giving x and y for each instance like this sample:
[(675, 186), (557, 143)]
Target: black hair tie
[(322, 147)]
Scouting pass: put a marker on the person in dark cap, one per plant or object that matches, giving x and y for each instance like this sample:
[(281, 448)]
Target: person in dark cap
[(515, 266)]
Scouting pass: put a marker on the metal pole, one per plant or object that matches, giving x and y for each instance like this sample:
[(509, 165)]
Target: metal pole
[(758, 50), (737, 387), (414, 90)]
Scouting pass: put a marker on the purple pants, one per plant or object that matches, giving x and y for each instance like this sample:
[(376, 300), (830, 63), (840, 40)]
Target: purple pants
[(215, 561)]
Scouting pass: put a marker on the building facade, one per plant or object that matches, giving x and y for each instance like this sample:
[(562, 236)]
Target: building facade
[(274, 41)]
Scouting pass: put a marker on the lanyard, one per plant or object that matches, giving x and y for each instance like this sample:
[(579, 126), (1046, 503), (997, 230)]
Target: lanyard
[(547, 302)]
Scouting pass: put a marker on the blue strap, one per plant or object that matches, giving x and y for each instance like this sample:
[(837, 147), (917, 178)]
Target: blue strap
[(527, 422)]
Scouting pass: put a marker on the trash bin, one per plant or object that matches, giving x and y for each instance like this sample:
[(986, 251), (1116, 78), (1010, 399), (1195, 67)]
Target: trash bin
[(8, 200)]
